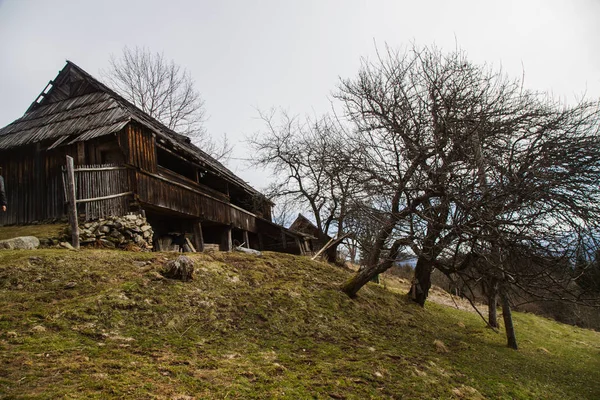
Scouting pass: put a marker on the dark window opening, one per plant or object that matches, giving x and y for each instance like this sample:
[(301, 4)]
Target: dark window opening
[(175, 164)]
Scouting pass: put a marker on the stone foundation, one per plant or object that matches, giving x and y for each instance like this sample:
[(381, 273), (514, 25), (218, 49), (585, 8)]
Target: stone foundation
[(119, 232)]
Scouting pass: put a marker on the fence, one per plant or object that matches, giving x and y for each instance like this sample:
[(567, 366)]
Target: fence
[(97, 191)]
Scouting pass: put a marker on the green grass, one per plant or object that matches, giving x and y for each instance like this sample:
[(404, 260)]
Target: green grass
[(41, 231), (259, 327)]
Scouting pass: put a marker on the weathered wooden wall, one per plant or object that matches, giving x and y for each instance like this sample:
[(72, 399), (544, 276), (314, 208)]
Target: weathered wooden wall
[(33, 178), (138, 145), (34, 188)]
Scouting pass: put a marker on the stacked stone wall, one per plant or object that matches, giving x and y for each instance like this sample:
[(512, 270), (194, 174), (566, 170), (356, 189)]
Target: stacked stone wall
[(118, 232)]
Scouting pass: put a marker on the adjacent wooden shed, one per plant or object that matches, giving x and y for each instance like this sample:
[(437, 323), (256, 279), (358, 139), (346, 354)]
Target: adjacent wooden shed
[(179, 187)]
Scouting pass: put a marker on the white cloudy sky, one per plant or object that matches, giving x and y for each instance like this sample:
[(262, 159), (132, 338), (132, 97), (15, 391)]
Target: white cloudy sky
[(249, 55)]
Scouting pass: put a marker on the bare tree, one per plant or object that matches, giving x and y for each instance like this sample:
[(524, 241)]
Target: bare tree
[(471, 168), (165, 91), (311, 163)]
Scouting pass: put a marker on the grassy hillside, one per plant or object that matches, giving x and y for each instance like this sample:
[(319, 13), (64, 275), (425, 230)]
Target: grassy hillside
[(102, 324)]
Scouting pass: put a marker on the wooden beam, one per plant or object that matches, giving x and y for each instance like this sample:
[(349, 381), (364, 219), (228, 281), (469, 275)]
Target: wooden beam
[(99, 169), (112, 196), (261, 242), (283, 240), (227, 242), (331, 243), (71, 196), (246, 239), (299, 246), (198, 237)]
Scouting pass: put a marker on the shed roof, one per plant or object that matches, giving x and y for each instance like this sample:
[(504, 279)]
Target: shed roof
[(76, 107)]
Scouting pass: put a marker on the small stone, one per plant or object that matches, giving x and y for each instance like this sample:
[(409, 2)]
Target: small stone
[(67, 245), (440, 346), (155, 276), (130, 217), (70, 285), (12, 334), (144, 228), (107, 243), (139, 264), (38, 329)]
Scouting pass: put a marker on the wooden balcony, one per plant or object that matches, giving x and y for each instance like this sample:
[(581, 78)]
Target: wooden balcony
[(164, 191)]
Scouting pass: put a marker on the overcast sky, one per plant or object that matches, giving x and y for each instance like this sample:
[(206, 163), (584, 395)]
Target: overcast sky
[(249, 55)]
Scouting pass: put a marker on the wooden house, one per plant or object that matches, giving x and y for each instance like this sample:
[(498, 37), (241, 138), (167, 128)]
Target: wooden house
[(179, 187), (312, 237)]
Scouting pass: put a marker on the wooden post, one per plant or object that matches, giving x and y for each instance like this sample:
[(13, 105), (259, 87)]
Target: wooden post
[(246, 239), (198, 237), (299, 246), (71, 198), (283, 241), (227, 244), (261, 242)]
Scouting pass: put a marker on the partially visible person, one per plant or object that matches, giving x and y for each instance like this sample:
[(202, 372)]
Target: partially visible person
[(2, 192)]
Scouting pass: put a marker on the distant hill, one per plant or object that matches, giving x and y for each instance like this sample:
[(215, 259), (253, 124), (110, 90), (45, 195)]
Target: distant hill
[(105, 324)]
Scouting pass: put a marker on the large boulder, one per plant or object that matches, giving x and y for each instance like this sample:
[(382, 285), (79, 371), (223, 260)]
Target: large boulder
[(20, 243)]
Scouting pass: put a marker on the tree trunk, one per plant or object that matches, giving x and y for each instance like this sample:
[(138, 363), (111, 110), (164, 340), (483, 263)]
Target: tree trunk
[(352, 286), (492, 294), (508, 322), (419, 289)]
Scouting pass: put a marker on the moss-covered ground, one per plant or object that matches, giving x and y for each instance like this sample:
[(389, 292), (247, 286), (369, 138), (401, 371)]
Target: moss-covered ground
[(41, 231), (105, 324)]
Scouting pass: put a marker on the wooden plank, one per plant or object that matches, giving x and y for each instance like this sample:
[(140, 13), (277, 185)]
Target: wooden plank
[(72, 202), (189, 244), (331, 242), (99, 169), (198, 237), (112, 196), (246, 239), (227, 239)]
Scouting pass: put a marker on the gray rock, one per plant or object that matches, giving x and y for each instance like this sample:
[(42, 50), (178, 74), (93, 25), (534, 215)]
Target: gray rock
[(182, 268), (70, 285), (139, 264), (107, 243), (146, 227), (67, 245), (20, 243), (104, 229)]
